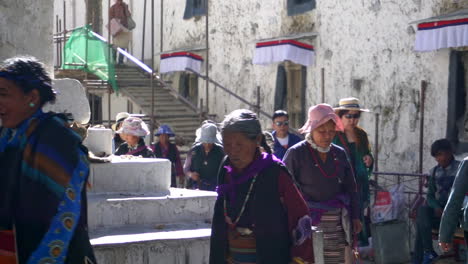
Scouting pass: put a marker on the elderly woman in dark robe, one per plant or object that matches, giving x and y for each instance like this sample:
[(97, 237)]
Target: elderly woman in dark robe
[(326, 180), (260, 215), (44, 169)]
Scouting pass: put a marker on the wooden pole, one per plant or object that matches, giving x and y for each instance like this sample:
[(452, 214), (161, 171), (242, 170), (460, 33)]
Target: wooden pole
[(59, 52), (422, 99), (207, 61), (258, 102), (376, 144), (152, 73), (161, 33), (109, 61), (64, 27), (143, 33), (323, 84)]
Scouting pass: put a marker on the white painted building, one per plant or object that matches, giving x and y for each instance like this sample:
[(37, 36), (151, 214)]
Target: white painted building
[(17, 33), (363, 48)]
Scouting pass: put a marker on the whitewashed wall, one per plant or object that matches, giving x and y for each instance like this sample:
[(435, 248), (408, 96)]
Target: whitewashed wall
[(26, 29), (369, 40)]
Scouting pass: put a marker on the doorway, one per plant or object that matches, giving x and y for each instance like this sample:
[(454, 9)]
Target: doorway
[(290, 92)]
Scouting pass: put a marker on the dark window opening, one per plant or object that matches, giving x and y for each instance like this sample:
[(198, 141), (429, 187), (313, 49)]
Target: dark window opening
[(129, 106), (457, 114), (95, 104), (296, 7), (188, 87), (194, 8)]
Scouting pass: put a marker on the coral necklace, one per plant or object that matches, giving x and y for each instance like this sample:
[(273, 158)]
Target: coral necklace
[(228, 219), (320, 167)]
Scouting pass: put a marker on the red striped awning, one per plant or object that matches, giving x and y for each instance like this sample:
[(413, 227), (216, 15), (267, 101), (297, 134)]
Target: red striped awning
[(280, 50), (179, 61), (446, 31)]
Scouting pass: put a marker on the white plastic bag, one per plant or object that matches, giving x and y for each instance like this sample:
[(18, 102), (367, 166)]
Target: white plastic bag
[(388, 205)]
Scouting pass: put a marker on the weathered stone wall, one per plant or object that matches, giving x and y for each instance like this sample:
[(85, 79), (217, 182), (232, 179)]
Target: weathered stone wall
[(26, 29), (371, 41)]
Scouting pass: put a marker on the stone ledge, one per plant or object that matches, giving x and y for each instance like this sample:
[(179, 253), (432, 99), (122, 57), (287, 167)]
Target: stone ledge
[(137, 175), (115, 210), (187, 243)]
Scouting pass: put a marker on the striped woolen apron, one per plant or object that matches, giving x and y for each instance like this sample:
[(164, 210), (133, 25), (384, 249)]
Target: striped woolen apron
[(334, 238)]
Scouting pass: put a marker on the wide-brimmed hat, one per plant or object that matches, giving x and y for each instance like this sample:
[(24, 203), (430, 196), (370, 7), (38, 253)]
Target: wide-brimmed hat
[(319, 115), (350, 103), (134, 126), (164, 129), (208, 133), (120, 117)]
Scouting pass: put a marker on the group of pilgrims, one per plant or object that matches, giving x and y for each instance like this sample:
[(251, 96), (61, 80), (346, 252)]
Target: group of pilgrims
[(272, 187)]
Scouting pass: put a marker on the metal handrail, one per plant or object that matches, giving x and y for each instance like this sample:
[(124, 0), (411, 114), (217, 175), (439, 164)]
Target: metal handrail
[(253, 106), (204, 77), (149, 70)]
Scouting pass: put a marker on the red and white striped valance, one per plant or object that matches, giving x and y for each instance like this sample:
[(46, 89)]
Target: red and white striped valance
[(447, 31), (178, 61), (281, 50)]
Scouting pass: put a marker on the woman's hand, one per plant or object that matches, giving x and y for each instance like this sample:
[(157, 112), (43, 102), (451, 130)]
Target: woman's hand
[(194, 176), (368, 160), (357, 226)]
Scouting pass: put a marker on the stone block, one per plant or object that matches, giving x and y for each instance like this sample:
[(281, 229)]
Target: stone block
[(181, 205), (71, 98), (136, 175), (189, 244), (99, 140)]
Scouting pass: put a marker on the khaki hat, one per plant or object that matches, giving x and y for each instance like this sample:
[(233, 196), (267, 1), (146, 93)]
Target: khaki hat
[(351, 104), (119, 118)]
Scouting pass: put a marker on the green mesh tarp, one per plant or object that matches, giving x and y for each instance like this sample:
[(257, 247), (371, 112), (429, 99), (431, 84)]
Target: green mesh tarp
[(98, 60)]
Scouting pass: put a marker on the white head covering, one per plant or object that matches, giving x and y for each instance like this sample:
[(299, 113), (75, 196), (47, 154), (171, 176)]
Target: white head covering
[(134, 126)]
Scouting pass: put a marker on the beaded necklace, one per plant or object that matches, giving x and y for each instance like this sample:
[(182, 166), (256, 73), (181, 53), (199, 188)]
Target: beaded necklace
[(228, 219), (337, 163)]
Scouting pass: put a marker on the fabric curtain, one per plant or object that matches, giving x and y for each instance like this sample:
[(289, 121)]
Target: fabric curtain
[(84, 51)]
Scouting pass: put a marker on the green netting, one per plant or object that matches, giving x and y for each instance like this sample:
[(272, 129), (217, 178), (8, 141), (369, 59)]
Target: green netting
[(98, 60)]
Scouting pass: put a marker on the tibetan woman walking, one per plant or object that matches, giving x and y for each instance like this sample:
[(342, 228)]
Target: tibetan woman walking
[(259, 216), (325, 177)]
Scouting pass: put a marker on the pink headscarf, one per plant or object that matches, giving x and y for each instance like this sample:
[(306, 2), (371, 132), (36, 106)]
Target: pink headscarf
[(319, 115)]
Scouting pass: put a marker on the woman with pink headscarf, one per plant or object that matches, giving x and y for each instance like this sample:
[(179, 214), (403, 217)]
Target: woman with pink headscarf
[(325, 178)]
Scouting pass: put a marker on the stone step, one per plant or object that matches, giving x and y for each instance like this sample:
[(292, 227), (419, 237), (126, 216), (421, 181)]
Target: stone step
[(186, 243), (180, 205), (134, 175)]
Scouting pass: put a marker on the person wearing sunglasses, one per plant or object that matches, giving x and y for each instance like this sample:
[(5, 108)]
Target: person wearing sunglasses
[(283, 139), (356, 143)]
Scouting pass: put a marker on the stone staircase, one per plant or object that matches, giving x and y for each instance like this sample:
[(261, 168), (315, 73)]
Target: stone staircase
[(169, 108), (135, 218)]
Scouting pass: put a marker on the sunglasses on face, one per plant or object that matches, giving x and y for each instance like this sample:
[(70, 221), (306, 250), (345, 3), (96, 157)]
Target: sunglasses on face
[(284, 123), (352, 116)]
